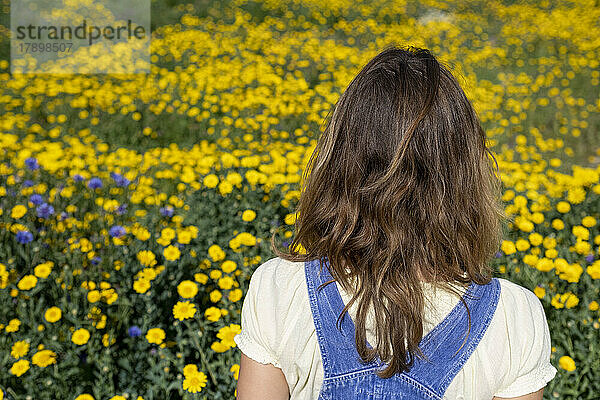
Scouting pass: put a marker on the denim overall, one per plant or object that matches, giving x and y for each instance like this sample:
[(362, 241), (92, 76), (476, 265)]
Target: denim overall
[(346, 377)]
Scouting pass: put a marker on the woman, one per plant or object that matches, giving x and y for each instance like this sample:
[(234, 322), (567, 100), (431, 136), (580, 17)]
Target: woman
[(392, 295)]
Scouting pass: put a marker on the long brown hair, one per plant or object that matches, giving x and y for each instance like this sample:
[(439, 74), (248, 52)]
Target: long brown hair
[(400, 189)]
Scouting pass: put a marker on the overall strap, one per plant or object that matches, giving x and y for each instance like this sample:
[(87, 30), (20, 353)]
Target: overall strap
[(445, 346)]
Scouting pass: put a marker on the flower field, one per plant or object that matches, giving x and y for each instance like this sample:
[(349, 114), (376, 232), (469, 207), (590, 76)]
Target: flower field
[(134, 208)]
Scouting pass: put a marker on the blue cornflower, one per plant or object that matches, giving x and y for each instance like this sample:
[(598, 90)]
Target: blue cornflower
[(32, 163), (95, 183), (28, 183), (134, 331), (24, 237), (36, 199), (44, 210), (589, 258), (119, 179), (167, 211), (96, 260), (122, 209), (117, 231), (78, 178)]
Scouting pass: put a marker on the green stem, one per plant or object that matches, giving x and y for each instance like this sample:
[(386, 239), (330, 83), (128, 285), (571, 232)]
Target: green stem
[(203, 356)]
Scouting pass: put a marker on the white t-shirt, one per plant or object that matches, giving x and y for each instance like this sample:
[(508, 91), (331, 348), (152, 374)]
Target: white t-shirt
[(511, 360)]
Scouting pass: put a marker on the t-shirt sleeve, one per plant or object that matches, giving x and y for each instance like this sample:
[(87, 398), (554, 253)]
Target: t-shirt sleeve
[(259, 329), (530, 345)]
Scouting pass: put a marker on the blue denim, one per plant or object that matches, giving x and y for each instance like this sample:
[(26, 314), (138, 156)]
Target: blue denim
[(347, 377)]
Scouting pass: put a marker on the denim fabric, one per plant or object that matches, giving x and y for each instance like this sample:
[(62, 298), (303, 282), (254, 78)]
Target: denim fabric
[(347, 377)]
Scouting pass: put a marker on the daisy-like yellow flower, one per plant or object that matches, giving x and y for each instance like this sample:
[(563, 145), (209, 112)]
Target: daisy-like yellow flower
[(18, 211), (85, 396), (171, 253), (155, 335), (44, 358), (43, 270), (248, 215), (216, 253), (187, 289), (53, 314), (19, 367), (184, 310), (80, 336), (146, 258), (141, 285), (27, 282), (227, 333), (567, 363), (212, 314), (194, 383), (19, 349), (190, 369)]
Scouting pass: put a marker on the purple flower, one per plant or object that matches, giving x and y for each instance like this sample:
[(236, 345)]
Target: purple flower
[(96, 260), (166, 211), (24, 237), (122, 209), (32, 163), (119, 179), (36, 199), (78, 178), (134, 331), (44, 210), (285, 243), (499, 254), (117, 231), (63, 215), (589, 258), (95, 183), (28, 183)]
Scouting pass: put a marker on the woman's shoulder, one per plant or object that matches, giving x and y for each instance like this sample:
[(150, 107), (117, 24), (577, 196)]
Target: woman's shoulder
[(278, 275)]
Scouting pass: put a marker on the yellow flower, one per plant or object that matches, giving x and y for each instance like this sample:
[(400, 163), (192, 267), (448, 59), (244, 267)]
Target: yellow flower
[(235, 295), (190, 369), (195, 382), (85, 396), (19, 367), (146, 258), (44, 358), (567, 363), (508, 247), (187, 289), (141, 285), (563, 207), (248, 215), (544, 264), (235, 368), (172, 253), (588, 221), (53, 314), (211, 181), (183, 310), (594, 270), (13, 325), (219, 347), (27, 282), (18, 211), (558, 225), (568, 300), (225, 188), (201, 278), (228, 266), (212, 314), (117, 397), (593, 306), (216, 253), (19, 349), (43, 270), (93, 296), (227, 333), (290, 219), (226, 282), (536, 239), (155, 335), (215, 296), (80, 336), (539, 291)]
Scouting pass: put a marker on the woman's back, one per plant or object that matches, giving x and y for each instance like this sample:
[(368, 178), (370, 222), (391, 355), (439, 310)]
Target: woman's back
[(512, 358)]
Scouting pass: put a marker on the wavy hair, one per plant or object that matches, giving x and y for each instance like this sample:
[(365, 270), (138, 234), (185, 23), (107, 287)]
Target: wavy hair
[(400, 189)]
